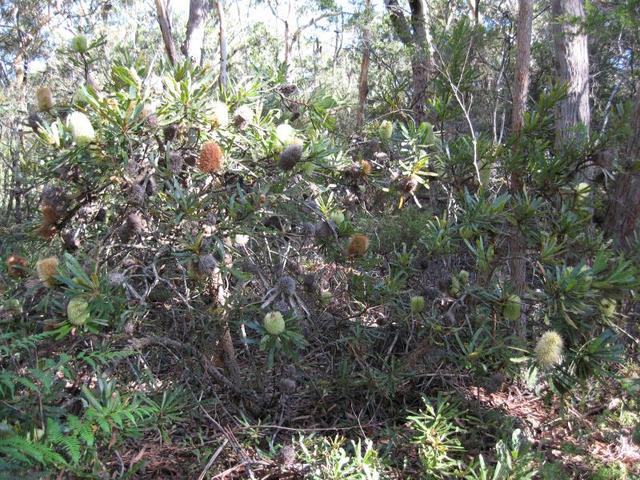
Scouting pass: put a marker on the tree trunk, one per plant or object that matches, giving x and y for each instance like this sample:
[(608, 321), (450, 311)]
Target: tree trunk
[(165, 28), (517, 242), (363, 84), (624, 203), (224, 76), (194, 38), (573, 114), (415, 36)]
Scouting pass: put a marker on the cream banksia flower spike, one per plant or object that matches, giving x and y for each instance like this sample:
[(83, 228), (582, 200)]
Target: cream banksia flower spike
[(549, 349)]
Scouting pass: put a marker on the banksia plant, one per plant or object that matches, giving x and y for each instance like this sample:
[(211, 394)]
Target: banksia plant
[(210, 160), (219, 115), (337, 217), (358, 245), (290, 156), (16, 266), (274, 323), (385, 130), (79, 44), (78, 311), (81, 129), (47, 269), (549, 349), (44, 98), (417, 304), (512, 307)]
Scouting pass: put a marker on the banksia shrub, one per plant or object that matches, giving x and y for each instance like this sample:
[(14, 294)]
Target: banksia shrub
[(47, 269), (79, 44), (219, 115), (549, 349), (81, 128), (290, 156), (16, 266), (44, 98), (358, 245), (512, 307), (274, 323), (78, 311), (210, 160)]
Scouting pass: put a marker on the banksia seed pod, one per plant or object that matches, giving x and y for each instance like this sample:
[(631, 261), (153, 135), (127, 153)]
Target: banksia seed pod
[(47, 269), (512, 307), (79, 44), (274, 323), (549, 349), (81, 128), (219, 116), (78, 311), (133, 225), (35, 122), (176, 162), (385, 130), (170, 132), (16, 266), (207, 264), (417, 304), (136, 195), (358, 245), (49, 215), (45, 99), (290, 157), (210, 160), (53, 204)]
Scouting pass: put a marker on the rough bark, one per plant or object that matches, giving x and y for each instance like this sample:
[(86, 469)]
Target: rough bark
[(165, 29), (194, 38), (222, 37), (415, 35), (624, 204), (573, 114), (363, 84), (517, 242)]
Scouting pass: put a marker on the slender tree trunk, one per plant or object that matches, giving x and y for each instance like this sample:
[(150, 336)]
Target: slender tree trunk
[(414, 35), (573, 114), (165, 29), (624, 204), (224, 76), (363, 84), (194, 38), (517, 243)]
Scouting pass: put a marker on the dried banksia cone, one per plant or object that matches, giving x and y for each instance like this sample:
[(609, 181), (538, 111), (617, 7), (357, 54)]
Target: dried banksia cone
[(78, 311), (175, 162), (549, 349), (53, 204), (210, 160), (70, 240), (16, 266), (45, 99), (47, 269), (136, 195), (219, 115), (49, 215), (290, 156), (35, 122), (132, 226), (274, 323), (81, 128), (170, 132), (358, 245), (207, 264)]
